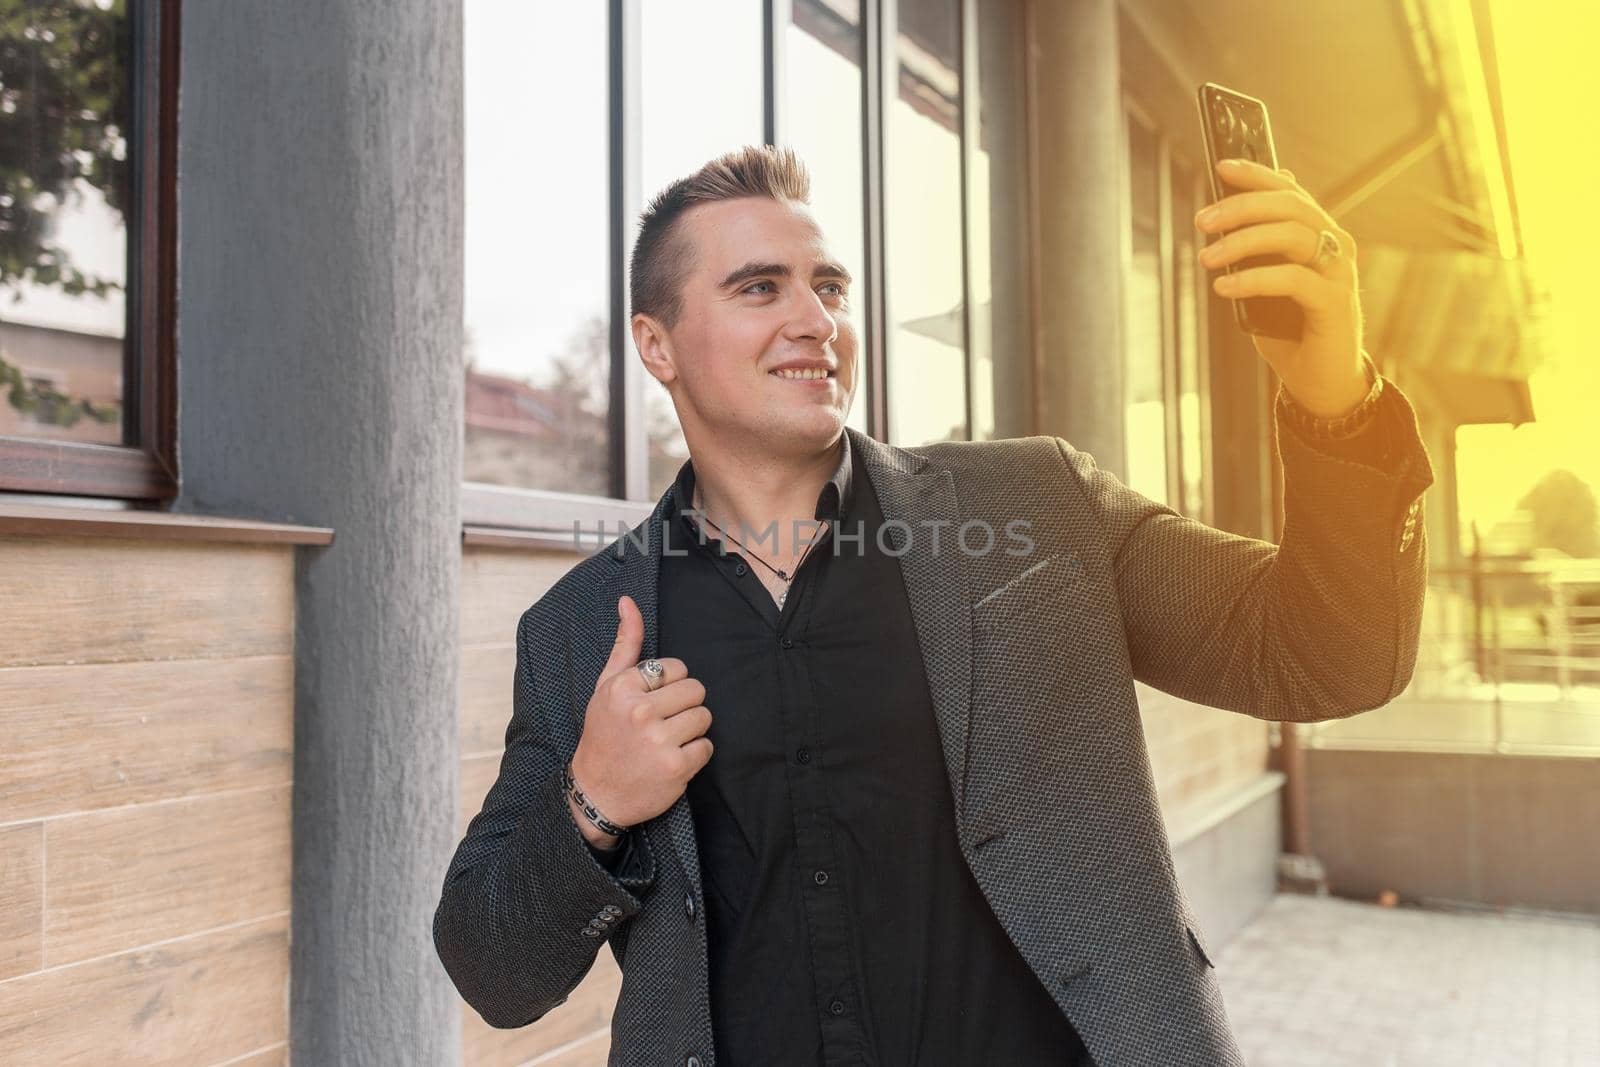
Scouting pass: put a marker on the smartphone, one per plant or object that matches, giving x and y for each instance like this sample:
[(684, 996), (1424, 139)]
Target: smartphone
[(1235, 127)]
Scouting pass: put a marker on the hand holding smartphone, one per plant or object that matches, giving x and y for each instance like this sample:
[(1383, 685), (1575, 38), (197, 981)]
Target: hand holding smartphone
[(1235, 127)]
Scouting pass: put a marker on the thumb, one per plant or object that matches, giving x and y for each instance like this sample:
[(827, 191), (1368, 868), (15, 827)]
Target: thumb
[(630, 637)]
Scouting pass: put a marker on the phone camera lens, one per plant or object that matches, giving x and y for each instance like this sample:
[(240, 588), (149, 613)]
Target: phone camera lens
[(1227, 123)]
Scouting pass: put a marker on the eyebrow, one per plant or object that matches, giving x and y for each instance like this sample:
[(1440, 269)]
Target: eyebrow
[(782, 270)]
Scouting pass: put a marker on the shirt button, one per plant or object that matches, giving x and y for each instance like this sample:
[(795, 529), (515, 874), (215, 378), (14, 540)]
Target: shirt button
[(788, 642), (688, 905), (837, 1007), (803, 755), (739, 569), (820, 877)]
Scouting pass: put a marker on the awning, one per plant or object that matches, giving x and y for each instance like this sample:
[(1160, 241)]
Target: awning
[(1473, 399), (1471, 315)]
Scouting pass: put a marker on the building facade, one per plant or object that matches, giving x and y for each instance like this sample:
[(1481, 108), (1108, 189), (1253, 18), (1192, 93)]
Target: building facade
[(317, 358)]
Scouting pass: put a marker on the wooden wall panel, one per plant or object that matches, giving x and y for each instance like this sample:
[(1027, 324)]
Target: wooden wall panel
[(95, 736), (132, 876), (196, 1000), (592, 1051), (478, 774), (21, 898), (147, 693), (498, 585), (99, 600), (487, 672), (586, 1017)]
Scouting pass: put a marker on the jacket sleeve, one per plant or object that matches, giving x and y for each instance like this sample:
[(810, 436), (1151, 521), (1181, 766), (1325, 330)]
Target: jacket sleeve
[(1323, 625), (526, 904)]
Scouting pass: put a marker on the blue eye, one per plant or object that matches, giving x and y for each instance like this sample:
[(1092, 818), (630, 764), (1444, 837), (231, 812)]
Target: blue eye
[(754, 284)]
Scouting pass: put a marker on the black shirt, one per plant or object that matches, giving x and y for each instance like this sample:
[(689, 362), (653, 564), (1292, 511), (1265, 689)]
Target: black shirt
[(844, 925)]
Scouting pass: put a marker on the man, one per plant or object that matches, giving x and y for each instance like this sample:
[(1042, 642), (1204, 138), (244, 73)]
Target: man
[(839, 749)]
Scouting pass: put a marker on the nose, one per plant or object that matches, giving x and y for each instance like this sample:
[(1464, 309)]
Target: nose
[(812, 321)]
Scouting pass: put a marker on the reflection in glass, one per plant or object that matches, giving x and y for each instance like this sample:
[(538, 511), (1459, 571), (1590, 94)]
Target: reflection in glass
[(1192, 427), (700, 88), (65, 188), (822, 101), (1142, 332), (537, 296), (997, 193), (980, 262), (922, 173)]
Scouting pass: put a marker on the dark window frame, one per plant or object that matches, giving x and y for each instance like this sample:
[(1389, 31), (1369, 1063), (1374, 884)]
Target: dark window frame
[(147, 469)]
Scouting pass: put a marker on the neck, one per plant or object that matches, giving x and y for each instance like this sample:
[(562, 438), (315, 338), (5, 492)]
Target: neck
[(765, 501)]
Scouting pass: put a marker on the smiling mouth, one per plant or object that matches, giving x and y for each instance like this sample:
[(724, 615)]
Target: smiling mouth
[(802, 375)]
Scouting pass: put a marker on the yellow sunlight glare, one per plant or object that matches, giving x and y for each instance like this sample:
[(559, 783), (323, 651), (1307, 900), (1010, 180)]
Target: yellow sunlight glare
[(1550, 83)]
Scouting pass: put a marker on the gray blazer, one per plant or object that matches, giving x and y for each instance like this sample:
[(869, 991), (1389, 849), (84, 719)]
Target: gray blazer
[(1031, 661)]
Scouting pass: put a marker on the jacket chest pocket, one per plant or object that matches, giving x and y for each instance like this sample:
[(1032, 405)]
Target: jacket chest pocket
[(1040, 594)]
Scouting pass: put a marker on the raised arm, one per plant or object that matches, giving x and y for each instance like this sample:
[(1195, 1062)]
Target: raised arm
[(1323, 626)]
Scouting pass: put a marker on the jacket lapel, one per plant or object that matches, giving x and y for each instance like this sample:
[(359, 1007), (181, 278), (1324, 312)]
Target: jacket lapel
[(910, 491)]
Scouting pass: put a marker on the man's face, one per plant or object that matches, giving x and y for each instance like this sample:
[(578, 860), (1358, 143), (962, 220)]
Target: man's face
[(762, 291)]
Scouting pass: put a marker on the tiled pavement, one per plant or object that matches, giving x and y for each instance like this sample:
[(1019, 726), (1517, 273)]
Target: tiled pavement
[(1321, 981)]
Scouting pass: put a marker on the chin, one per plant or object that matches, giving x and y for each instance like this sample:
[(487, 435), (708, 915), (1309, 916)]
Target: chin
[(818, 425)]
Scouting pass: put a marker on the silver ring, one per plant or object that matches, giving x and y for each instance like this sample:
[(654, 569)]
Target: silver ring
[(652, 671), (1327, 250)]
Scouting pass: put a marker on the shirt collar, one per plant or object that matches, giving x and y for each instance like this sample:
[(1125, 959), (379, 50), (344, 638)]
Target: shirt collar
[(833, 502)]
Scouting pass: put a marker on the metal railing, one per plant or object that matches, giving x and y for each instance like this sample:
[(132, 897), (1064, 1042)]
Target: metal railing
[(1509, 661)]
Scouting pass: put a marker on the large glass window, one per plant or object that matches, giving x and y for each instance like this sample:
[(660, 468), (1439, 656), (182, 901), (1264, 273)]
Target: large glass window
[(926, 299), (66, 181), (545, 243), (700, 88), (822, 122), (1144, 355), (1167, 411), (537, 293)]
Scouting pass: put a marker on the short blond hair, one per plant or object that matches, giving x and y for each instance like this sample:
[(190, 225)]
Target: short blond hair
[(661, 255)]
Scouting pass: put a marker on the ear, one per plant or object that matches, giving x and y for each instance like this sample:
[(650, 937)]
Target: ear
[(655, 347)]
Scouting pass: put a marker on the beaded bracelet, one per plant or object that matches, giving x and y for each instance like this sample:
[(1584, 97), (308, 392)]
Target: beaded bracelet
[(1339, 427), (590, 812)]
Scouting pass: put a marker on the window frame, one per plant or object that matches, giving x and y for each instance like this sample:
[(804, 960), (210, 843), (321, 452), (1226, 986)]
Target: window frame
[(146, 470)]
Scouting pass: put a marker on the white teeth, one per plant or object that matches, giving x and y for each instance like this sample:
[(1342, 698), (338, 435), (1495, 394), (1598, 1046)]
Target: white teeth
[(804, 373)]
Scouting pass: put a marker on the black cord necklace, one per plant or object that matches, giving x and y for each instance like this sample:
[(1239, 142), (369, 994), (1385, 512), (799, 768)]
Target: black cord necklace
[(786, 576)]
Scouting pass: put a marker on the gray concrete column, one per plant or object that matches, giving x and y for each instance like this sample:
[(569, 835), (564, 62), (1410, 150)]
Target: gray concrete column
[(321, 382), (1077, 97)]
